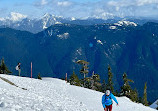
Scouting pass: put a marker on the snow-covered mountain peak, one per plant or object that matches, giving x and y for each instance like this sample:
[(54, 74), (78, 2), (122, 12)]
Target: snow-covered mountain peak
[(2, 19), (73, 18), (13, 17), (16, 16), (48, 18), (47, 15)]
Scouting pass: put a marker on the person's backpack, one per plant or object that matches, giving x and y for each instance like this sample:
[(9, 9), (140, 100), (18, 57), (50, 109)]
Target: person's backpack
[(17, 68), (107, 97)]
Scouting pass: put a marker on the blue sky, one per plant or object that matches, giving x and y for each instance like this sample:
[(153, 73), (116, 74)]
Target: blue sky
[(81, 8)]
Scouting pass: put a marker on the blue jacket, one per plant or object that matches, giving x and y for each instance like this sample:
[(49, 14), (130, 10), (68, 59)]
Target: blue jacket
[(107, 100)]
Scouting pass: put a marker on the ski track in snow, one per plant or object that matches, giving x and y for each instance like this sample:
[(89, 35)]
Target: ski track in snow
[(52, 94)]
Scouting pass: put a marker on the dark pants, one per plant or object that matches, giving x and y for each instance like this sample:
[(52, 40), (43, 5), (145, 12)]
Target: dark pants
[(19, 71), (109, 108)]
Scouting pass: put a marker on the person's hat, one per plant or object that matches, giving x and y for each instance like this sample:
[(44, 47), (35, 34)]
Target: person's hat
[(107, 92)]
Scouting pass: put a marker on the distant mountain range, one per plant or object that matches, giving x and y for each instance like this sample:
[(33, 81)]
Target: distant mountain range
[(125, 46), (22, 22)]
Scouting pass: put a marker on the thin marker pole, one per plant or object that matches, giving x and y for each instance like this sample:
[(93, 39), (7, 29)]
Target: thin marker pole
[(66, 77), (31, 69)]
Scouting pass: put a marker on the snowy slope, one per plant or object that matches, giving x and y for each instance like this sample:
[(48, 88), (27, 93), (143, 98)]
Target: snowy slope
[(52, 94)]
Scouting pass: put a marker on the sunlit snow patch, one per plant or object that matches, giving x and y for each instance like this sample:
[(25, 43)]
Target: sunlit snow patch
[(121, 23), (63, 36), (112, 27), (100, 42)]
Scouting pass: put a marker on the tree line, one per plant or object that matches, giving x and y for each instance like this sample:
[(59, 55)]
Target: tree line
[(3, 68), (94, 82)]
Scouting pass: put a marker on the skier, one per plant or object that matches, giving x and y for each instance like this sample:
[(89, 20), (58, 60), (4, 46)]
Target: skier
[(107, 100), (18, 68)]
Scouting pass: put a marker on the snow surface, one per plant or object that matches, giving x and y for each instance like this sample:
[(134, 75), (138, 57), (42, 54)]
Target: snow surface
[(14, 17), (58, 23), (63, 36), (2, 19), (73, 18), (17, 16), (112, 27), (123, 22), (52, 94), (100, 42)]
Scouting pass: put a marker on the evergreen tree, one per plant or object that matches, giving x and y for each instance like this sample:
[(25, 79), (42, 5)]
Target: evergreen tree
[(140, 99), (84, 69), (74, 80), (157, 105), (117, 93), (134, 95), (144, 101), (39, 76), (96, 77), (110, 82), (126, 88), (88, 82), (3, 68), (95, 82)]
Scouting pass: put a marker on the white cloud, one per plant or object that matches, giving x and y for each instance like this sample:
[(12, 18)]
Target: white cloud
[(44, 2), (40, 3), (117, 8), (122, 3), (126, 3), (64, 3), (97, 8), (101, 9), (134, 8), (146, 2)]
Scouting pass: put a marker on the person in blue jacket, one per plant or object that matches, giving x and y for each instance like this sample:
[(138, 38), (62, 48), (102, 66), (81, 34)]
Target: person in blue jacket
[(107, 100)]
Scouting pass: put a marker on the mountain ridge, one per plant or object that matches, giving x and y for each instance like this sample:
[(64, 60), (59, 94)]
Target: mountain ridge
[(22, 22), (130, 49)]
